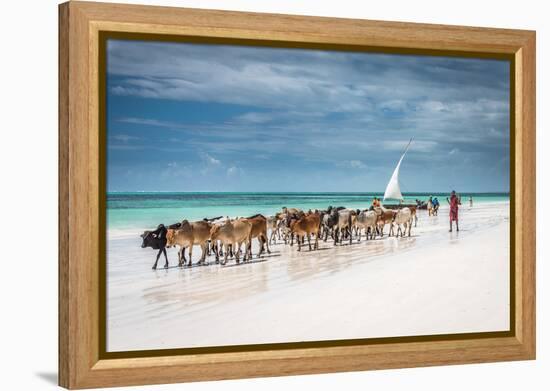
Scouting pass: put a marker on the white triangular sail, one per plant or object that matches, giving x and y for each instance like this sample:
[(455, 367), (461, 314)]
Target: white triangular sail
[(393, 192)]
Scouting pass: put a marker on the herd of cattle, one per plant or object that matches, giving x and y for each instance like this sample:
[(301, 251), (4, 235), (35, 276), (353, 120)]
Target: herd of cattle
[(224, 237)]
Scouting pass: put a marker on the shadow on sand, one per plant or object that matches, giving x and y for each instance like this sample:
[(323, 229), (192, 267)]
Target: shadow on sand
[(264, 258)]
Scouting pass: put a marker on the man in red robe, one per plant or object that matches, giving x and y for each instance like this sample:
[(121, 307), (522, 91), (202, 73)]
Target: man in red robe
[(453, 210)]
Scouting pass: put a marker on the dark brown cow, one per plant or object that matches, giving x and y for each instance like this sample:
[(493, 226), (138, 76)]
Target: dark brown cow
[(306, 226)]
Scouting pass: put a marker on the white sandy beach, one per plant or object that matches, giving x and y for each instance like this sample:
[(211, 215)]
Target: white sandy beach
[(434, 282)]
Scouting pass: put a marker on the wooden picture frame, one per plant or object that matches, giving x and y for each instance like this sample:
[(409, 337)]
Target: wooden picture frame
[(81, 163)]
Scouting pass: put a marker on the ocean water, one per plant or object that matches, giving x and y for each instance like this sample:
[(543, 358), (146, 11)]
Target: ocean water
[(129, 211)]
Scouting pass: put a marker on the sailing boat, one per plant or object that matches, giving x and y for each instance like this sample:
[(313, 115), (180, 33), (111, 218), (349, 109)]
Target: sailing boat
[(393, 192)]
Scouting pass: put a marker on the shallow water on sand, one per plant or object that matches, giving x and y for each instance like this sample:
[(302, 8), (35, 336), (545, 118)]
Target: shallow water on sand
[(292, 296)]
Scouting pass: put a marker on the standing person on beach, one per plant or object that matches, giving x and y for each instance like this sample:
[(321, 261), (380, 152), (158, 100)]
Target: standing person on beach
[(453, 210), (471, 201), (435, 203)]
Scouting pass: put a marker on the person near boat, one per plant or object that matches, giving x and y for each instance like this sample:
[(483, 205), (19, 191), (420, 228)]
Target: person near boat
[(435, 203)]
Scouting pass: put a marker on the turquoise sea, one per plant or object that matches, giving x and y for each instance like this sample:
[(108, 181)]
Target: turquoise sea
[(147, 210)]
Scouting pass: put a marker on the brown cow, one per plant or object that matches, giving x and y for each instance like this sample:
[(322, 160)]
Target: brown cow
[(385, 216), (287, 219), (259, 230), (187, 235), (232, 233), (306, 226)]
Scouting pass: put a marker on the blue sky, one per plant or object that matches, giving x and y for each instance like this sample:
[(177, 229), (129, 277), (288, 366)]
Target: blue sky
[(189, 117)]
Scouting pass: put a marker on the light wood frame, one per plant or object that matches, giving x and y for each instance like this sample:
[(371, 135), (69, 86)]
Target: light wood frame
[(81, 163)]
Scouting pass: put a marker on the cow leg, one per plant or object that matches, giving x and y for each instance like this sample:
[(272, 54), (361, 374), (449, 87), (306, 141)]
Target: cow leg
[(267, 246), (226, 252), (165, 257), (204, 248), (350, 235), (309, 242), (216, 248), (183, 256), (180, 253), (183, 259), (316, 246), (299, 242), (247, 254), (262, 244), (190, 256), (236, 251), (157, 260)]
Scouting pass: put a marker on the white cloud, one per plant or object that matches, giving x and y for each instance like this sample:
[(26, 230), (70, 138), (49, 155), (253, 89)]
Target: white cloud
[(211, 160), (124, 138), (416, 145), (254, 118), (357, 164), (233, 171), (175, 170)]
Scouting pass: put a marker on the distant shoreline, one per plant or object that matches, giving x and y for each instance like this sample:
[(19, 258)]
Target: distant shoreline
[(405, 194)]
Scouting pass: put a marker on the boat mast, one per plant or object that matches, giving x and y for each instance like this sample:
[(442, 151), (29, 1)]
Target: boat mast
[(393, 192)]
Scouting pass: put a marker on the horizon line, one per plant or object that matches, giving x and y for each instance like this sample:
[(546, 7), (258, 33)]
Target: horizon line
[(300, 192)]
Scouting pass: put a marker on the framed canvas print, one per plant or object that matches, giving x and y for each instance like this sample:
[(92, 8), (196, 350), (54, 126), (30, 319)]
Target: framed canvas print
[(248, 195)]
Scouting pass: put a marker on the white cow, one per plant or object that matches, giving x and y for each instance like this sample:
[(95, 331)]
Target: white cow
[(403, 220), (346, 220), (366, 219)]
